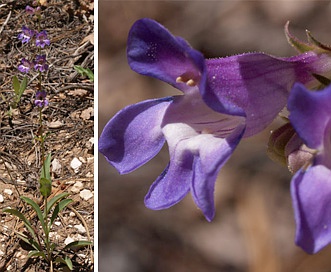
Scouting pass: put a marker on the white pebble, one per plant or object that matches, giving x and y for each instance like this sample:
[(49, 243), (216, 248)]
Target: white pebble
[(80, 228), (68, 240), (75, 164), (85, 194), (77, 187), (8, 191)]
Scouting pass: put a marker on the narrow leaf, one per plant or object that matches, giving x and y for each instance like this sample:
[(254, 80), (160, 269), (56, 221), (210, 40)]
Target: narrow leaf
[(55, 199), (36, 253), (45, 170), (38, 211), (23, 218), (65, 261), (77, 244), (68, 263), (59, 207), (29, 241), (16, 85)]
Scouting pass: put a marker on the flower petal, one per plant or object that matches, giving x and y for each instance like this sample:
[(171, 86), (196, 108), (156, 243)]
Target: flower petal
[(171, 186), (311, 195), (154, 51), (133, 136), (257, 85), (311, 109), (195, 160), (212, 155)]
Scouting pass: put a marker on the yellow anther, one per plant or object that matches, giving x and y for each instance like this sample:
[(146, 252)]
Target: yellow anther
[(188, 82), (179, 80), (191, 83)]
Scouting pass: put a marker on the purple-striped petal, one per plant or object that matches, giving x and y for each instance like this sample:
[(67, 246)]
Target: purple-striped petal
[(200, 141), (134, 136), (154, 51), (257, 85), (311, 196)]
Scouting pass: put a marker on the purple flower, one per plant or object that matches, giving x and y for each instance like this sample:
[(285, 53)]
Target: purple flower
[(41, 100), (40, 63), (42, 39), (30, 10), (310, 115), (224, 99), (25, 66), (26, 34)]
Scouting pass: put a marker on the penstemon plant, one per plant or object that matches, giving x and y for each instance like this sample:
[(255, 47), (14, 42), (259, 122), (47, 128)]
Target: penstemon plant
[(38, 236)]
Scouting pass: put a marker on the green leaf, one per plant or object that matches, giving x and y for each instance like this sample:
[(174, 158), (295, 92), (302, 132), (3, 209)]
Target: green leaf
[(77, 244), (68, 262), (29, 241), (16, 85), (46, 169), (45, 187), (19, 88), (84, 72), (23, 85), (25, 221), (59, 207), (37, 253), (55, 199), (65, 261), (38, 211)]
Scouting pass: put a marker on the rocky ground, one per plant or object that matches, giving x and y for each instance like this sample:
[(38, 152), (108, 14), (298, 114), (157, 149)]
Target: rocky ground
[(68, 121)]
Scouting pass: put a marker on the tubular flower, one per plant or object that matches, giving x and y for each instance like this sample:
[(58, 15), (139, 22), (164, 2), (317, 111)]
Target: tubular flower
[(41, 100), (310, 115), (26, 35), (40, 63), (25, 66), (42, 39), (223, 100)]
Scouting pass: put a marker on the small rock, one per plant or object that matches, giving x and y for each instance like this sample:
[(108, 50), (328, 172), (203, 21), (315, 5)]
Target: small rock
[(54, 235), (1, 253), (55, 124), (1, 199), (80, 228), (21, 182), (89, 175), (56, 167), (86, 194), (68, 240), (90, 143), (75, 164), (8, 191), (57, 223), (72, 214), (78, 186)]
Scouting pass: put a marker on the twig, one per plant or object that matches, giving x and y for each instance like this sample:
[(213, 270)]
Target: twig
[(85, 226), (4, 24)]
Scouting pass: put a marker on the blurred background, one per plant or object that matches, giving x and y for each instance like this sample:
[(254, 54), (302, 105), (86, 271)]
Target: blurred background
[(254, 228)]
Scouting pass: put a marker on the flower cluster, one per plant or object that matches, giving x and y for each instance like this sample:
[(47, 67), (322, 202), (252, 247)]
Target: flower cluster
[(223, 101), (39, 63)]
